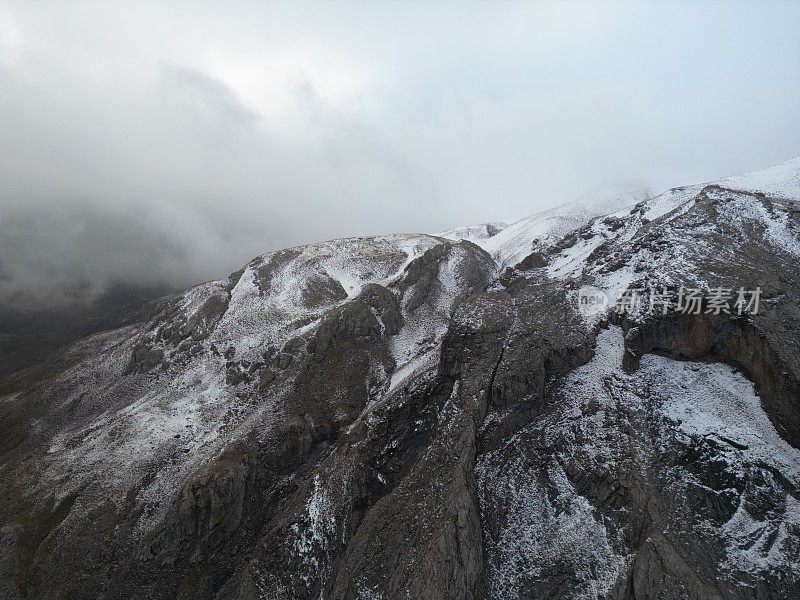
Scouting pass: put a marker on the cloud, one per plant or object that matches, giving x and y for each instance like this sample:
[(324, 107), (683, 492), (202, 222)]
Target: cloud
[(150, 145), (177, 185)]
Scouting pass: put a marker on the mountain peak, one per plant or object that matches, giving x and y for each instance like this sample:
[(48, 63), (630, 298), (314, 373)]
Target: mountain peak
[(394, 417)]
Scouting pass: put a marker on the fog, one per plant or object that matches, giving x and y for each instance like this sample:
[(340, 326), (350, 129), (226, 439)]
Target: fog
[(155, 145)]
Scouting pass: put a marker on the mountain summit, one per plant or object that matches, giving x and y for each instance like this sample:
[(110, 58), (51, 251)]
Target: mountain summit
[(436, 416)]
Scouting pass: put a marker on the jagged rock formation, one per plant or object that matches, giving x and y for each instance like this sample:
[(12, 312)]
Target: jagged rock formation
[(419, 416)]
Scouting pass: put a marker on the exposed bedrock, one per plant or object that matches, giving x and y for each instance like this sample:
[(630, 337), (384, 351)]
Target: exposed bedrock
[(226, 508), (387, 418), (605, 492), (330, 481), (764, 355)]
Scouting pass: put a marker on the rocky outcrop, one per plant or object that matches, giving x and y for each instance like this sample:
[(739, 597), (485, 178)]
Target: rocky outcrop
[(432, 417)]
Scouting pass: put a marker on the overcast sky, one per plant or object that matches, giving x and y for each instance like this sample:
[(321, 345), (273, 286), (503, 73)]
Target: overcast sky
[(169, 143)]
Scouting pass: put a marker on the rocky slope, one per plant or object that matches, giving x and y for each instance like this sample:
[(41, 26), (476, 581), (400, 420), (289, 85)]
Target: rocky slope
[(420, 416)]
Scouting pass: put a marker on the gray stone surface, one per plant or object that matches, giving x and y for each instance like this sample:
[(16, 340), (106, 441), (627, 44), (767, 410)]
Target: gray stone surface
[(394, 418)]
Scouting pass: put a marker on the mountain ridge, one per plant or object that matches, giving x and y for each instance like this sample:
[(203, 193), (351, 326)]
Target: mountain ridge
[(416, 416)]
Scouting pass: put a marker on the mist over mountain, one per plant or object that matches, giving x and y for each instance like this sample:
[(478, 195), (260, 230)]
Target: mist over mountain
[(399, 301), (435, 416), (155, 146)]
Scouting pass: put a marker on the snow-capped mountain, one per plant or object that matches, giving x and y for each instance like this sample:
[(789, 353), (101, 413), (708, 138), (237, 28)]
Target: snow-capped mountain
[(536, 234), (435, 416)]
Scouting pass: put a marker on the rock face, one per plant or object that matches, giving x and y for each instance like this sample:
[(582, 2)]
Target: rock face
[(419, 416)]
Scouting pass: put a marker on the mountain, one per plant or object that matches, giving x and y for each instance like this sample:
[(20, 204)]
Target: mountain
[(435, 416), (537, 233)]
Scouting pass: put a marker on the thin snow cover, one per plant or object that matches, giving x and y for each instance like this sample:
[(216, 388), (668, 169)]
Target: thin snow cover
[(781, 180), (543, 229), (739, 209), (671, 200), (545, 523), (426, 325), (172, 425), (713, 400), (542, 532), (194, 298), (413, 367), (550, 524), (178, 418), (620, 230), (280, 292), (311, 542), (572, 260), (631, 256), (473, 233)]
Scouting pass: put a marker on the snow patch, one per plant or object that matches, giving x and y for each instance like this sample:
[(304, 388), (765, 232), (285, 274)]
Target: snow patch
[(780, 180)]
